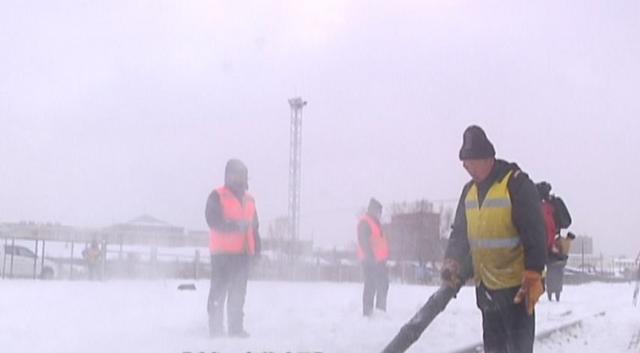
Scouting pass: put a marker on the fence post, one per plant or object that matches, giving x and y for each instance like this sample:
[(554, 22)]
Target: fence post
[(71, 262), (120, 251), (4, 257), (42, 258), (103, 252), (13, 250), (35, 262), (153, 257), (196, 264)]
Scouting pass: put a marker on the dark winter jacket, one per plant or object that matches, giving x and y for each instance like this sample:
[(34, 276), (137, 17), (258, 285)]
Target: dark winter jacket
[(215, 219), (526, 216)]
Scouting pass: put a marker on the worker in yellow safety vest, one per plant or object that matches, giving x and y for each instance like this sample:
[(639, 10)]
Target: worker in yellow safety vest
[(500, 226)]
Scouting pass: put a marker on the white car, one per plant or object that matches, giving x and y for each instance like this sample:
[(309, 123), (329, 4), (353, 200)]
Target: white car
[(22, 264)]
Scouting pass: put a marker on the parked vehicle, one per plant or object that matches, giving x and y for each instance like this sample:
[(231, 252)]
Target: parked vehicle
[(20, 261)]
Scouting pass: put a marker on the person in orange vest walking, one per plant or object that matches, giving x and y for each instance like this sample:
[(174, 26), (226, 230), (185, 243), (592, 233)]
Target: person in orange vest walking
[(373, 252), (234, 241)]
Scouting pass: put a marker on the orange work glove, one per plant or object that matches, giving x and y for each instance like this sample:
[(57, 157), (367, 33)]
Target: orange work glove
[(530, 290), (450, 273)]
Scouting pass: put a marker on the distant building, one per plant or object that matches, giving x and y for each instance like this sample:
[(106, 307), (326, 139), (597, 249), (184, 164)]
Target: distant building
[(280, 242), (146, 229), (297, 247), (582, 245), (414, 235)]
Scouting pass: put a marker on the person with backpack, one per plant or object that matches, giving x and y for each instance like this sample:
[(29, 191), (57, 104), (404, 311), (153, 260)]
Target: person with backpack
[(556, 218)]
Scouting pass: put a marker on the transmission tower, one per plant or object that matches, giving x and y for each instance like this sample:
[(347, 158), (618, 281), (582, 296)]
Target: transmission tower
[(295, 166)]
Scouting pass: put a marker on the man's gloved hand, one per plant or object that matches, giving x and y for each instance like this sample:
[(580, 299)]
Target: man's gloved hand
[(530, 290), (450, 273)]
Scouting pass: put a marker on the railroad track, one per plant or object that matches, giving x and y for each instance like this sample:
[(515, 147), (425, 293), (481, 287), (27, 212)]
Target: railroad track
[(634, 345), (565, 329)]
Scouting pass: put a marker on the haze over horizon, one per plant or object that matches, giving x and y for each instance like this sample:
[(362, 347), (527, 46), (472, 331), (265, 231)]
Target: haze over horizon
[(113, 110)]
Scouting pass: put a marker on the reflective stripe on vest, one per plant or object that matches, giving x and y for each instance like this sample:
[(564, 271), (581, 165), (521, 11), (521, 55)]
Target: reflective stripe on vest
[(234, 210), (494, 243), (498, 255), (495, 203), (378, 241)]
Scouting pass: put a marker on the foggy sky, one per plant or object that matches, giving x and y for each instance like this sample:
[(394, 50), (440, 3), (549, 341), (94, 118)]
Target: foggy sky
[(113, 109)]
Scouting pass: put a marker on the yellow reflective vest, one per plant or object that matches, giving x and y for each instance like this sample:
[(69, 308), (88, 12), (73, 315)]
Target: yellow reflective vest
[(498, 255)]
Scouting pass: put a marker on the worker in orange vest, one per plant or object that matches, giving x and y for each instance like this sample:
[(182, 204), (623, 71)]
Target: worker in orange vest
[(234, 241), (373, 252)]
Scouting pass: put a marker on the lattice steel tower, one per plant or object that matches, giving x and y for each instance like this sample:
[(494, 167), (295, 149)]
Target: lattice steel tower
[(295, 166)]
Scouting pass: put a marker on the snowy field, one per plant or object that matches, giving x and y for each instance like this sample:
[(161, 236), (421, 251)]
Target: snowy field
[(153, 316)]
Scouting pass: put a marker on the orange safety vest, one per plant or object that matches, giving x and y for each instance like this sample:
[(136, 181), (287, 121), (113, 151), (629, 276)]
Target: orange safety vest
[(234, 210), (378, 241)]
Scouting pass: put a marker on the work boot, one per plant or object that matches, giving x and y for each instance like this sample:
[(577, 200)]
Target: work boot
[(215, 327)]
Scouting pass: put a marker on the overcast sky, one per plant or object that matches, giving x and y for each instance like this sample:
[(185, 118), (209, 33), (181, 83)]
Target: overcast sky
[(113, 109)]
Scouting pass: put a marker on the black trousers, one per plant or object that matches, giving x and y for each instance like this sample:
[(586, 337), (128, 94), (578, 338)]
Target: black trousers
[(507, 327), (555, 276), (229, 275), (376, 286)]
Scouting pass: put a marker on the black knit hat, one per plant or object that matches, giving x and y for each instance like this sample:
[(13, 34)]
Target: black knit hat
[(475, 144)]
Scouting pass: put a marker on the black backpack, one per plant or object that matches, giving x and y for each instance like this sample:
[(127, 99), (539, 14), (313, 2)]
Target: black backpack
[(560, 213)]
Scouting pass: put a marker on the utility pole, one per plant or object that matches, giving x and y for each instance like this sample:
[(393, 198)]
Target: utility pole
[(295, 169)]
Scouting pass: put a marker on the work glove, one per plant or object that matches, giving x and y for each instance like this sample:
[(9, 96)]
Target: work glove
[(530, 290), (450, 273)]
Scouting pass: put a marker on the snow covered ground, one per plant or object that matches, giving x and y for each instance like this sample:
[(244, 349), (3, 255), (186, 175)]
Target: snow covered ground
[(153, 316)]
